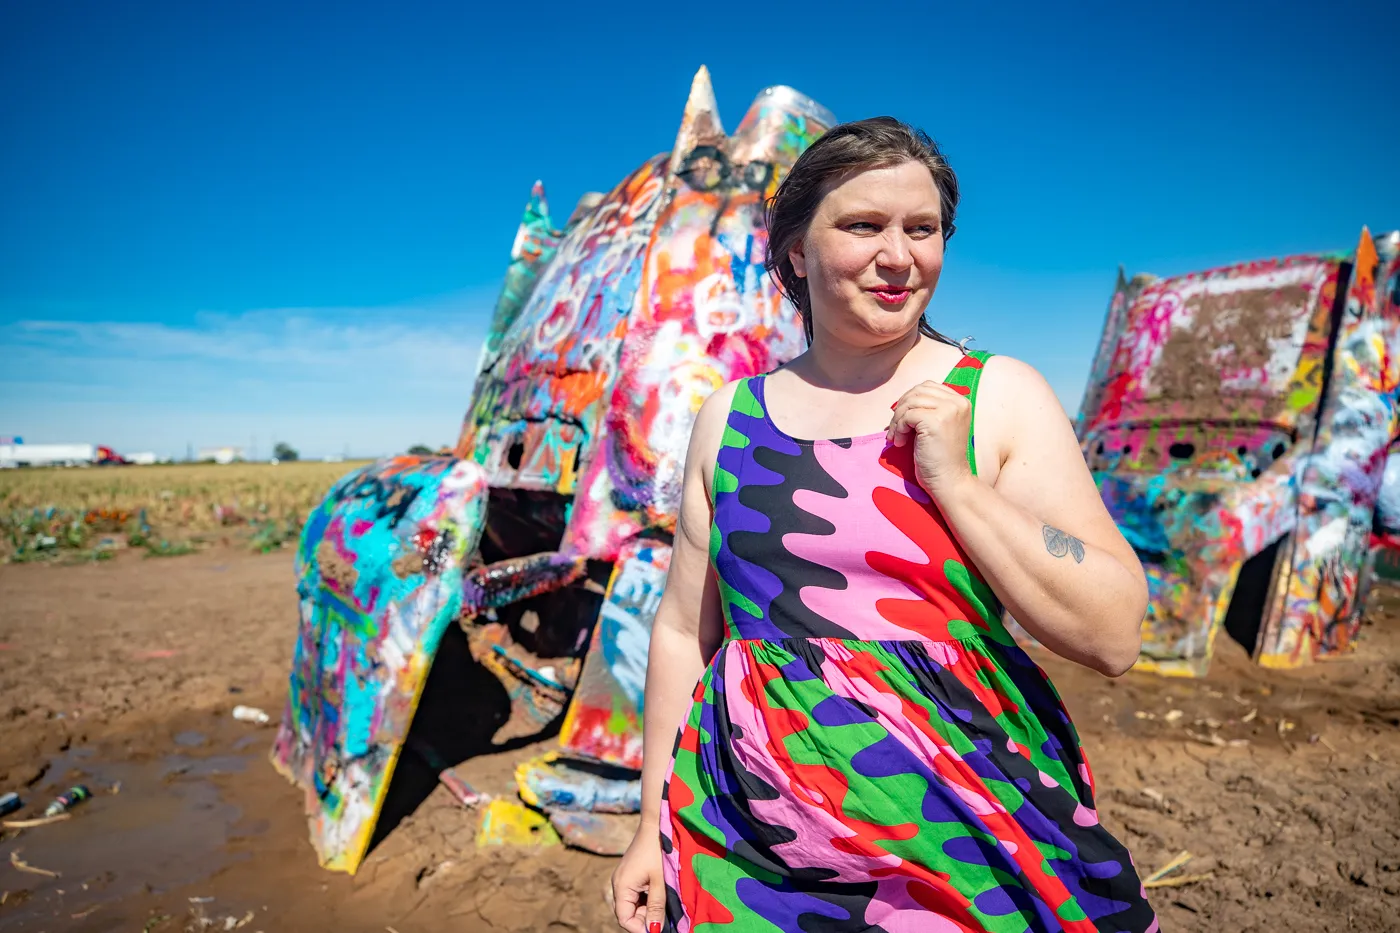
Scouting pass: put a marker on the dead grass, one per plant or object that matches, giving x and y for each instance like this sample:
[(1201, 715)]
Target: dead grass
[(85, 513)]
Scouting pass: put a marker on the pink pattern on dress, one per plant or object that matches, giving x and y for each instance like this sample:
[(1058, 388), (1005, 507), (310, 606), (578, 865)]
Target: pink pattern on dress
[(859, 528)]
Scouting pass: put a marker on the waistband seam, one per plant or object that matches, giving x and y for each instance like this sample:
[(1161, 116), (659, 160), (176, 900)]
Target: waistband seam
[(980, 636)]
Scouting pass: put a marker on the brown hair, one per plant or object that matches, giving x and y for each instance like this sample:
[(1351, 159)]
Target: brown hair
[(880, 142)]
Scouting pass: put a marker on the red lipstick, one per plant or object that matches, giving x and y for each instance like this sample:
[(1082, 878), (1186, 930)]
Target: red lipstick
[(890, 295)]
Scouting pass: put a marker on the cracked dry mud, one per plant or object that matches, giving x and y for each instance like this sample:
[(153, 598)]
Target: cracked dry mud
[(1285, 785)]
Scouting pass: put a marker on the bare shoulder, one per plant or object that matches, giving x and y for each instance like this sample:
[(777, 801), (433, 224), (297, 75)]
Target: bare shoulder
[(1003, 375), (708, 429), (1016, 407), (1015, 389), (714, 410)]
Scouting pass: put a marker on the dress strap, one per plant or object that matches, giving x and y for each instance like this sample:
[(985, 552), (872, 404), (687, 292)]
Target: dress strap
[(748, 404), (964, 378)]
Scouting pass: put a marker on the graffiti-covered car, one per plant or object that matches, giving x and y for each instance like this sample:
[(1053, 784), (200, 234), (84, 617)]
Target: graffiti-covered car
[(546, 534), (1237, 422)]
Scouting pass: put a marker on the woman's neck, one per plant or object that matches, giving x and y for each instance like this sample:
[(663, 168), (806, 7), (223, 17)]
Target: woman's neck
[(835, 364)]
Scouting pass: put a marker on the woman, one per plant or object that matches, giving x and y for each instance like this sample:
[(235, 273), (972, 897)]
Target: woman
[(866, 747)]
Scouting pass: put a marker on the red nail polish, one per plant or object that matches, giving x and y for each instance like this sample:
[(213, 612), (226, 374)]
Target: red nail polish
[(654, 927), (893, 406)]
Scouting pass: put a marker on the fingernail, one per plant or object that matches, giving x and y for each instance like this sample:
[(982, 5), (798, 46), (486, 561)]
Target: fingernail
[(893, 406), (654, 927)]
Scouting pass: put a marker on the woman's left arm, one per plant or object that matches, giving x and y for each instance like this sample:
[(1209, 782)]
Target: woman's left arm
[(1040, 535)]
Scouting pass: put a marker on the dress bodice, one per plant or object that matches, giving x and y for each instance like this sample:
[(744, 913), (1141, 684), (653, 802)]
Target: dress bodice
[(835, 538)]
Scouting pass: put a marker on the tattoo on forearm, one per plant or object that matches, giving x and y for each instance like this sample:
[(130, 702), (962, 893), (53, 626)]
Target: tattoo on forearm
[(1059, 544)]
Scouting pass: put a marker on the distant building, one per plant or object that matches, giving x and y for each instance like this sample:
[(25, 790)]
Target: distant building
[(220, 454)]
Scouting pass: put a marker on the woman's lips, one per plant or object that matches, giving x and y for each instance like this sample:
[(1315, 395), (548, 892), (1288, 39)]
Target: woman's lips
[(891, 296)]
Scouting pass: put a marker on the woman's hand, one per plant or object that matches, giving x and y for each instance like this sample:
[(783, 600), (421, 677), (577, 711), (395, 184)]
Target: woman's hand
[(936, 420), (639, 893)]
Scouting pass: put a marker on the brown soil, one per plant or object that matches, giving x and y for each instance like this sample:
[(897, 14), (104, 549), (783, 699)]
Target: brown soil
[(122, 675)]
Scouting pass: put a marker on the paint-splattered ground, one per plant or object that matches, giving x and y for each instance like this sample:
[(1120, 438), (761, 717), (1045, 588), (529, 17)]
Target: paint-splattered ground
[(122, 675)]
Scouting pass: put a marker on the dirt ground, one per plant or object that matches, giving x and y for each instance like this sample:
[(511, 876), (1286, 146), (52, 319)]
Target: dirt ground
[(1284, 785)]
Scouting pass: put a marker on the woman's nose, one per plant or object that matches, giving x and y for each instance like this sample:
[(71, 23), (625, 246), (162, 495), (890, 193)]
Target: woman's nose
[(895, 253)]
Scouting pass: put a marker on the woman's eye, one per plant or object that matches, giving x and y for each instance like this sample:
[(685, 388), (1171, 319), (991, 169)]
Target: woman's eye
[(861, 226), (923, 231)]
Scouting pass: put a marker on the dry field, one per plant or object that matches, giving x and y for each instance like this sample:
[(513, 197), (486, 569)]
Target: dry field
[(77, 514)]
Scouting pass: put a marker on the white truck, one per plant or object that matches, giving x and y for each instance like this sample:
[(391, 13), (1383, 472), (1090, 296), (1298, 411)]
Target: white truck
[(17, 455)]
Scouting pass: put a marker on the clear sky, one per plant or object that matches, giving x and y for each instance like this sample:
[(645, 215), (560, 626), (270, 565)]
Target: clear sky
[(240, 222)]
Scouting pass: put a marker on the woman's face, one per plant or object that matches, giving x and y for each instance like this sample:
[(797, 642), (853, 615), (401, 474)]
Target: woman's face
[(873, 253)]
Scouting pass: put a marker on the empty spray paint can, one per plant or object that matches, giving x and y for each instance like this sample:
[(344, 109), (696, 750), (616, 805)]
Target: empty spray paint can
[(67, 800), (9, 803), (251, 714)]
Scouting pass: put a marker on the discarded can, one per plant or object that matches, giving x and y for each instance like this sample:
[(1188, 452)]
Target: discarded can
[(457, 786), (10, 803), (67, 800), (251, 714)]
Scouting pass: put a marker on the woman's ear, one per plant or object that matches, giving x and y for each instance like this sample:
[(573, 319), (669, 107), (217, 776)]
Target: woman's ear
[(798, 260)]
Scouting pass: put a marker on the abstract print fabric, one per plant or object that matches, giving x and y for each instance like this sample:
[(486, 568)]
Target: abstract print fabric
[(869, 749)]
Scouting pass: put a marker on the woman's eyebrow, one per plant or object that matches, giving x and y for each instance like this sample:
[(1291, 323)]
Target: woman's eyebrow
[(875, 210), (869, 212), (862, 210), (927, 217)]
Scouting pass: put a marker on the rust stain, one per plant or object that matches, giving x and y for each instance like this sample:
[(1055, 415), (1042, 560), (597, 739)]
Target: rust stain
[(1229, 334), (407, 565), (336, 568)]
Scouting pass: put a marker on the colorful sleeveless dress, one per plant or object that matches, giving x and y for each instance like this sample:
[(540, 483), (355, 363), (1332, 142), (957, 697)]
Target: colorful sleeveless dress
[(869, 749)]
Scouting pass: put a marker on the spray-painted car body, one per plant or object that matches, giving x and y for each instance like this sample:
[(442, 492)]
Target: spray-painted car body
[(1237, 422), (608, 335)]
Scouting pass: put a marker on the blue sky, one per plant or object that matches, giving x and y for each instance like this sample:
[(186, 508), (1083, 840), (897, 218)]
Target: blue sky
[(227, 223)]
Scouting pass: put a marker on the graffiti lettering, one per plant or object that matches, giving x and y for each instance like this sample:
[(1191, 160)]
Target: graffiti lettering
[(393, 499)]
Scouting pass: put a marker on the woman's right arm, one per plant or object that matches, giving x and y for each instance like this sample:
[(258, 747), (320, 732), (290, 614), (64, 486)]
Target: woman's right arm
[(686, 631)]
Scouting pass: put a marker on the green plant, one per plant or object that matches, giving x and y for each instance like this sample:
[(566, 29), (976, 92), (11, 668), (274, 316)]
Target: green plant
[(271, 535), (164, 548)]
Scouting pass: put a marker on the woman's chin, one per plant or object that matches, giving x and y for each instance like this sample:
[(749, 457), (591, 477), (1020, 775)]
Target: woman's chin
[(887, 327), (875, 326)]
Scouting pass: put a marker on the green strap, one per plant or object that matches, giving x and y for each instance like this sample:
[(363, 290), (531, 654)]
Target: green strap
[(967, 374), (745, 402)]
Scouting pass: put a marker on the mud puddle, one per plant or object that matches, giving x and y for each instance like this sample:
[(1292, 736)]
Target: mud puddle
[(153, 825)]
